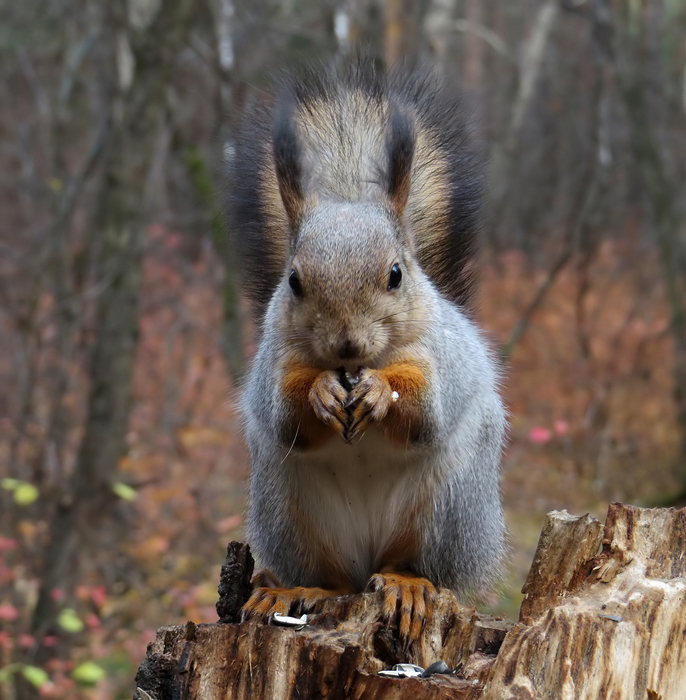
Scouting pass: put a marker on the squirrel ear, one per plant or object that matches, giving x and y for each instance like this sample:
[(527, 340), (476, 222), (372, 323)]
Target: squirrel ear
[(287, 162), (401, 141)]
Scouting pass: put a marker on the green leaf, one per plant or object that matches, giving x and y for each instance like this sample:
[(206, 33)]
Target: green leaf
[(25, 494), (70, 621), (88, 673), (10, 484), (125, 491), (34, 675), (6, 673)]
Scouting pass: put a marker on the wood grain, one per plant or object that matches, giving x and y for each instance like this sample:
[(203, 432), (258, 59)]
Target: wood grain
[(604, 616)]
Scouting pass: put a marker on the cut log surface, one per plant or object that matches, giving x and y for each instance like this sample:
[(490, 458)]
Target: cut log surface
[(604, 616)]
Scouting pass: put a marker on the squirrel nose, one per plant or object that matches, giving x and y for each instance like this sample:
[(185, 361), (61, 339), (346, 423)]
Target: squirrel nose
[(349, 350)]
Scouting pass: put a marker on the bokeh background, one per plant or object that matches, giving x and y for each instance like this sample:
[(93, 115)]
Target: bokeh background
[(122, 329)]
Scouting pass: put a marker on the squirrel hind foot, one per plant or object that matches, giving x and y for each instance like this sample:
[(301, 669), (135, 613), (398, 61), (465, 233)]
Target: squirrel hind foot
[(263, 578), (265, 601), (407, 599)]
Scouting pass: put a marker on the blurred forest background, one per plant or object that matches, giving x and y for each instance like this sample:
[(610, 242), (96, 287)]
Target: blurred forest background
[(122, 332)]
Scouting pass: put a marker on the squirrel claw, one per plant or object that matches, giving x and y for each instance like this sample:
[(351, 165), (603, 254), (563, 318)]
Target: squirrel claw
[(327, 398), (409, 599), (355, 429), (368, 402), (264, 602)]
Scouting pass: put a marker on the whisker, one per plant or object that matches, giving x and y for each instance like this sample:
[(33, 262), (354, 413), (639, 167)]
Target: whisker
[(397, 313), (290, 449)]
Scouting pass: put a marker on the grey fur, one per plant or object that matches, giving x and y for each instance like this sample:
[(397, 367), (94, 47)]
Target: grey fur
[(356, 496)]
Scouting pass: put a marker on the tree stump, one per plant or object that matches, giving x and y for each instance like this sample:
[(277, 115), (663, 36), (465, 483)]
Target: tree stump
[(604, 616)]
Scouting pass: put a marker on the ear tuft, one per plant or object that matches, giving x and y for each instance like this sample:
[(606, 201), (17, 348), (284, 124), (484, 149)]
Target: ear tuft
[(401, 143), (287, 161)]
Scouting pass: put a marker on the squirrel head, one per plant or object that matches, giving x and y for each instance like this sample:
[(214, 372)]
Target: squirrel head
[(352, 290)]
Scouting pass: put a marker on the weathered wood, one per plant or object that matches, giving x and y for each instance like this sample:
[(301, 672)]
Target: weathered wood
[(234, 582), (609, 623), (604, 616)]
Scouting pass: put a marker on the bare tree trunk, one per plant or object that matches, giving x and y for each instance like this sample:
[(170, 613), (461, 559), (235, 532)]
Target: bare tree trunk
[(120, 220), (604, 616), (354, 11), (224, 17), (671, 236), (532, 62), (438, 29), (401, 31), (473, 46), (668, 229), (67, 303), (593, 188), (503, 157)]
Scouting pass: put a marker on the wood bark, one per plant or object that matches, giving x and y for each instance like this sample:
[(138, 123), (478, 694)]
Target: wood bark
[(604, 616)]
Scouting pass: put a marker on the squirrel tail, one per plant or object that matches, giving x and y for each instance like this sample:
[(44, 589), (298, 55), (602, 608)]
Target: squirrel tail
[(356, 136)]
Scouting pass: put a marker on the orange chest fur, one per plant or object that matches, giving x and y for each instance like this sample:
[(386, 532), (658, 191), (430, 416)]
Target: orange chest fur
[(402, 425)]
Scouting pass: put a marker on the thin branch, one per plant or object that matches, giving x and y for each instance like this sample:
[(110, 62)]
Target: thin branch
[(76, 183), (534, 304), (488, 35)]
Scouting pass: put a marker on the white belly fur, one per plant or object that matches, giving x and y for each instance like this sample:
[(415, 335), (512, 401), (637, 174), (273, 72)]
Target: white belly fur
[(357, 497)]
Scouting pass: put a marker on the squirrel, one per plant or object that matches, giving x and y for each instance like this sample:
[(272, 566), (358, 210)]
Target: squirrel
[(371, 410)]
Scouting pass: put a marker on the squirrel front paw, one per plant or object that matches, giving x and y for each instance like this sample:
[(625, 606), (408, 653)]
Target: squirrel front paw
[(328, 398), (367, 402)]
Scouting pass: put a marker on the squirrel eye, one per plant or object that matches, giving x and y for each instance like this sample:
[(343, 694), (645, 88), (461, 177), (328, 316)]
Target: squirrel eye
[(294, 283), (395, 278)]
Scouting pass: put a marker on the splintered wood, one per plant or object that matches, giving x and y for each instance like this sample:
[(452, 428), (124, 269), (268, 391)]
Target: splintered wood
[(604, 616), (605, 611)]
